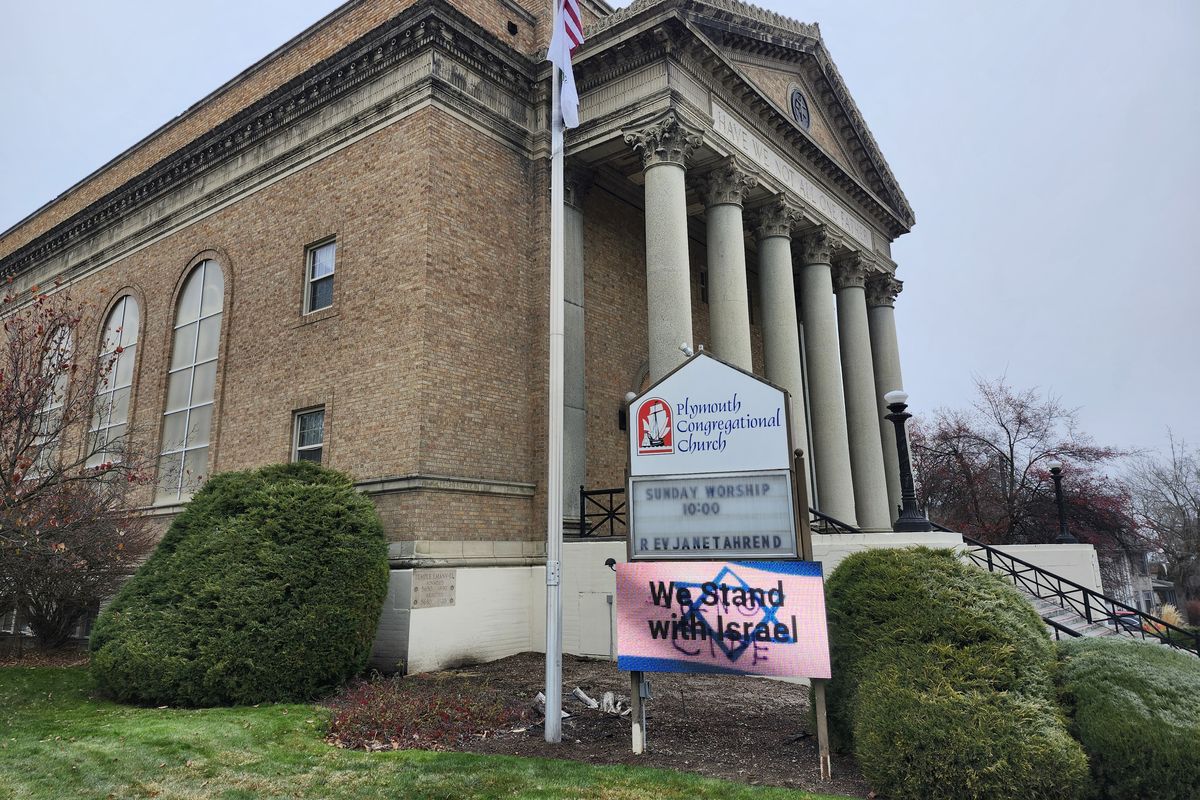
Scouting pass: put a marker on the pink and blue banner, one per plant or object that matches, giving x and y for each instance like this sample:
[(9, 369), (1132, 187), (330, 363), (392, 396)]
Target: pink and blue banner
[(739, 617)]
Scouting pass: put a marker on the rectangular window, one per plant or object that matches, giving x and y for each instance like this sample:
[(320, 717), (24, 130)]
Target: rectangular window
[(318, 287), (308, 439)]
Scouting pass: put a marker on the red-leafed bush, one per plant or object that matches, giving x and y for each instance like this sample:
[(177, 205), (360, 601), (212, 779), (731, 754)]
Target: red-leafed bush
[(416, 712)]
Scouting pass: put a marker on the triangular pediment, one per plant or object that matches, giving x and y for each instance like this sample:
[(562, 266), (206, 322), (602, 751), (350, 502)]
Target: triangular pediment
[(778, 56), (771, 55)]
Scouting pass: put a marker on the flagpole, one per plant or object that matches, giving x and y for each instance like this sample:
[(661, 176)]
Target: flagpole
[(554, 450)]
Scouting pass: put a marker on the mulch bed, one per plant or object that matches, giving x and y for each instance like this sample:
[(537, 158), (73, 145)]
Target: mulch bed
[(28, 654), (749, 730)]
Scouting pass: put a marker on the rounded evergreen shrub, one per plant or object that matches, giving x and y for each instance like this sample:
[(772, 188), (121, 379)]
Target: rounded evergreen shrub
[(928, 725), (1136, 709), (880, 600), (267, 587)]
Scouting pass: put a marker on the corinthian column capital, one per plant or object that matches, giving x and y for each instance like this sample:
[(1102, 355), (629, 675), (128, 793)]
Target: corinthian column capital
[(882, 290), (778, 218), (851, 271), (818, 245), (668, 140), (728, 184)]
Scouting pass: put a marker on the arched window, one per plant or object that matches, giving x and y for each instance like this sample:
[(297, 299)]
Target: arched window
[(118, 353), (56, 372), (187, 418)]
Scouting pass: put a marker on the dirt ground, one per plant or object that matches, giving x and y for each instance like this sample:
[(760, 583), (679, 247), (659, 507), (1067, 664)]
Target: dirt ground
[(749, 730)]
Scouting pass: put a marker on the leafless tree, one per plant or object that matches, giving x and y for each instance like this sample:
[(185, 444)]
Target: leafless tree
[(984, 470), (68, 529), (1166, 500)]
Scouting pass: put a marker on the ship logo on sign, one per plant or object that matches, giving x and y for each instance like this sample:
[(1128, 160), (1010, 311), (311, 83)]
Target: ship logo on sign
[(654, 428)]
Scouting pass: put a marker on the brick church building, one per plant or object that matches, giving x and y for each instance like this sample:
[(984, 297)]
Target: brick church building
[(342, 255)]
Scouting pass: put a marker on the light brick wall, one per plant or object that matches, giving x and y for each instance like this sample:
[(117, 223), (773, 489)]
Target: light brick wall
[(345, 25)]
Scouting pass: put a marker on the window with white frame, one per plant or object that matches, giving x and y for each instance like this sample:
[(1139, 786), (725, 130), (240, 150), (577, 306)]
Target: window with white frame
[(110, 418), (56, 370), (318, 285), (308, 435), (191, 384)]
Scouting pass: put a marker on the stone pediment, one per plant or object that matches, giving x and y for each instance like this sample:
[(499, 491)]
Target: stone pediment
[(776, 55)]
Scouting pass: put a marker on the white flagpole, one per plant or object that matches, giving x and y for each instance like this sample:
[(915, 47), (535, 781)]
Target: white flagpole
[(554, 450)]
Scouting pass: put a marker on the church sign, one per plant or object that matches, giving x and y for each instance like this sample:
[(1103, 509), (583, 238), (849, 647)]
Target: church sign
[(710, 467)]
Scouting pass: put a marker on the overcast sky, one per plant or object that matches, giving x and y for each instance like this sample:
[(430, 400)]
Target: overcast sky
[(1049, 149)]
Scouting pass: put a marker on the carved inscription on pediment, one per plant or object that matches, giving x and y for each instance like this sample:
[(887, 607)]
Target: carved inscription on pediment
[(778, 167)]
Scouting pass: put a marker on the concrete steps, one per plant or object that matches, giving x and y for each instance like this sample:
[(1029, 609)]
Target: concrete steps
[(1068, 618)]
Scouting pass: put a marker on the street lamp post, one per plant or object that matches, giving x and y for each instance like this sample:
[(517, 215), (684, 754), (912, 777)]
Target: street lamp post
[(1064, 535), (911, 520)]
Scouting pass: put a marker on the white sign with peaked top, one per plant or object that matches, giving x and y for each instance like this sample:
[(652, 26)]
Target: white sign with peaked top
[(710, 467)]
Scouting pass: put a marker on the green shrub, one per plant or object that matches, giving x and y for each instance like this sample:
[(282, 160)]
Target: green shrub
[(928, 728), (879, 600), (267, 587), (1136, 709)]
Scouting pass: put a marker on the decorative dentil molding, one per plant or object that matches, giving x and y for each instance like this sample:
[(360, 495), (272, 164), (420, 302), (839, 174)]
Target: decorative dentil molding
[(751, 13), (818, 246), (882, 290), (669, 140), (850, 271), (778, 218), (728, 183)]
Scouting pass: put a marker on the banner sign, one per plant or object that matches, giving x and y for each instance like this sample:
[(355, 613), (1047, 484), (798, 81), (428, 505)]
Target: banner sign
[(744, 618), (739, 515)]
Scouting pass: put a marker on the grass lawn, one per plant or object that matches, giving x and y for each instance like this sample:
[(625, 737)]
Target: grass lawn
[(57, 741)]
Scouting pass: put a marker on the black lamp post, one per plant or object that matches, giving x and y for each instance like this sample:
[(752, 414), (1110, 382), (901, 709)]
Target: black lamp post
[(1064, 535), (911, 520)]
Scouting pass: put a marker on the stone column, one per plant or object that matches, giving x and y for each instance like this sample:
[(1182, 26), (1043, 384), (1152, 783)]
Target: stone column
[(725, 188), (576, 184), (885, 355), (666, 146), (781, 333), (858, 378), (831, 448)]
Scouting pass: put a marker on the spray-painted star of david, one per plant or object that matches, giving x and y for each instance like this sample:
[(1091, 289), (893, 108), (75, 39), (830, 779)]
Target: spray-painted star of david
[(732, 653)]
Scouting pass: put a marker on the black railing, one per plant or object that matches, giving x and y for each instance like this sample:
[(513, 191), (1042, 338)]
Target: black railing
[(1059, 629), (1093, 606), (600, 510), (823, 523), (604, 510)]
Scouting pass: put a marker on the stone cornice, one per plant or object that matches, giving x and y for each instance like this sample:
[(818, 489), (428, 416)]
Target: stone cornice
[(759, 19), (428, 24)]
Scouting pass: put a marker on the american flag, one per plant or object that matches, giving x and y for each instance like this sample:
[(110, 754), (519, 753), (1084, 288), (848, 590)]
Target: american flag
[(568, 34)]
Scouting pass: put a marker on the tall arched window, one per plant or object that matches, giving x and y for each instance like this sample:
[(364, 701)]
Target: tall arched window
[(118, 352), (56, 371), (187, 419)]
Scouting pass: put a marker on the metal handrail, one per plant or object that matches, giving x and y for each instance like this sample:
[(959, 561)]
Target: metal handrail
[(595, 514), (823, 523), (1060, 629), (1093, 606), (598, 508)]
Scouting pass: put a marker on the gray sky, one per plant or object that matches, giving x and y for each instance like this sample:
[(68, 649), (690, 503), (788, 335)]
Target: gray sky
[(1048, 148)]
